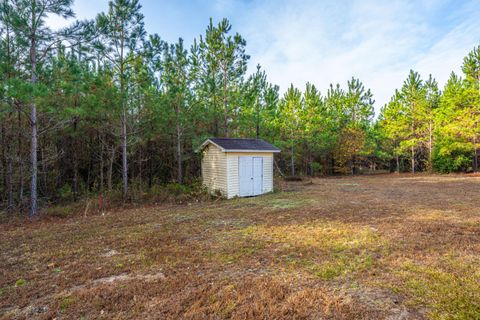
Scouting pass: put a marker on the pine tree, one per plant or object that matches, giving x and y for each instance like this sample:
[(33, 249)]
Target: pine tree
[(432, 97), (471, 115), (175, 83), (28, 17), (394, 126), (451, 146), (315, 126), (413, 102), (358, 110), (223, 64), (258, 104), (289, 120), (122, 33)]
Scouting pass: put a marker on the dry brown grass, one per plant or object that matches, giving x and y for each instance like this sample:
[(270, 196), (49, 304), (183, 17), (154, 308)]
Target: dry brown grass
[(376, 247)]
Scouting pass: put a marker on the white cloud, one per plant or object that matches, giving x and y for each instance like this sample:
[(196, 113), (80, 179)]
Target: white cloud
[(446, 54), (376, 41)]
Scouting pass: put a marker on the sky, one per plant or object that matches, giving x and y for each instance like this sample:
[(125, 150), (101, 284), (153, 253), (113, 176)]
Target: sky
[(325, 42)]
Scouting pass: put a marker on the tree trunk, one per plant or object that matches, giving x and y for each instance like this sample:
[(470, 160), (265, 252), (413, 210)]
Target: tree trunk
[(292, 162), (257, 119), (75, 178), (475, 155), (413, 136), (413, 159), (8, 143), (179, 146), (34, 132), (110, 169), (354, 160), (33, 157), (124, 155), (310, 161), (124, 122), (215, 126), (4, 158), (20, 160), (44, 171), (89, 183), (10, 201), (150, 163), (140, 167), (397, 159), (74, 148), (9, 171), (430, 146), (102, 165), (278, 168), (225, 102), (226, 125)]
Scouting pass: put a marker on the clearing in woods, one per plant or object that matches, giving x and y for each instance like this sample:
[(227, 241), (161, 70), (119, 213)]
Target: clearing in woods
[(371, 247)]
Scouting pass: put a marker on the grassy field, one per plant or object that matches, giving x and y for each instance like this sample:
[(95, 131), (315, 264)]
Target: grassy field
[(372, 247)]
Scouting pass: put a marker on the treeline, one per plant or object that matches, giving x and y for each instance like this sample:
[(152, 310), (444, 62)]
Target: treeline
[(435, 130), (102, 107)]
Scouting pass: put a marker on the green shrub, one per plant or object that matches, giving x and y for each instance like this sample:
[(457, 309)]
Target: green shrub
[(177, 189), (316, 167), (65, 192), (447, 159), (59, 211)]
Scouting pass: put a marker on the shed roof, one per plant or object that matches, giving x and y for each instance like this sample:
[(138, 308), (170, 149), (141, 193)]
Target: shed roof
[(241, 145)]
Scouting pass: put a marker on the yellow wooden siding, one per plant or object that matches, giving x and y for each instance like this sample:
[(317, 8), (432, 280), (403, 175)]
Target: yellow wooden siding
[(214, 169), (232, 169)]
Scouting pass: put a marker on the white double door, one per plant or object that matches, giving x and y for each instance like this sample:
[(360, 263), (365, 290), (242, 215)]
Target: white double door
[(250, 175)]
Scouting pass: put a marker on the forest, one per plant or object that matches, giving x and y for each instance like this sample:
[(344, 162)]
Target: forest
[(103, 108)]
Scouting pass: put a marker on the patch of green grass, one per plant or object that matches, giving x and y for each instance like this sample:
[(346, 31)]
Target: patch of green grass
[(20, 282), (337, 265), (326, 249), (236, 254), (448, 294), (332, 236), (343, 264), (67, 302)]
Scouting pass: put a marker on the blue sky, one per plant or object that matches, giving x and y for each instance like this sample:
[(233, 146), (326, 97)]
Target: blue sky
[(325, 42)]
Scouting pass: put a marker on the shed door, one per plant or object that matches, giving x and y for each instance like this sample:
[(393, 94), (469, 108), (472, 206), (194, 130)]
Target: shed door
[(245, 176), (250, 176), (257, 175)]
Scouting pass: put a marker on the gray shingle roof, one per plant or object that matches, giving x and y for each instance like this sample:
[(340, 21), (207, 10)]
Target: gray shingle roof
[(235, 144)]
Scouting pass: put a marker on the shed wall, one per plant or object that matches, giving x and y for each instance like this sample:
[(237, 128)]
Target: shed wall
[(214, 169), (232, 169)]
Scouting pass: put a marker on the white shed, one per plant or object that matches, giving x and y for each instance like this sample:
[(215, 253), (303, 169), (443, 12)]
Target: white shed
[(237, 167)]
